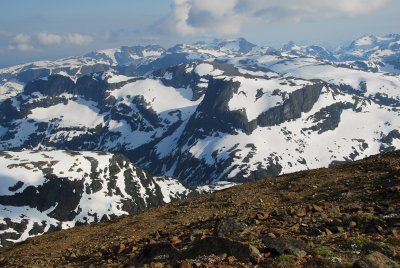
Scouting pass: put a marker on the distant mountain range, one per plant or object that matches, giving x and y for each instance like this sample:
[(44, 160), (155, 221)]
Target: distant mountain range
[(199, 114)]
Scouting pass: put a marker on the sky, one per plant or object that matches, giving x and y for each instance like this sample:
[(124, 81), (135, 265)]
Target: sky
[(47, 29)]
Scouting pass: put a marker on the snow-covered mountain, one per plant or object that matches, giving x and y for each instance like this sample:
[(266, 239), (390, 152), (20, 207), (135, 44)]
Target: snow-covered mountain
[(45, 191), (222, 111), (369, 53)]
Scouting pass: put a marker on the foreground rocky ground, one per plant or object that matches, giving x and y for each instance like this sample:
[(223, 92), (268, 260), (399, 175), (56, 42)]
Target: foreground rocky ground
[(346, 216)]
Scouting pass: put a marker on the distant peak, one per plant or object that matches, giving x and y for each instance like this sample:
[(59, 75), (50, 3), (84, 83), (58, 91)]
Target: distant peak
[(291, 46)]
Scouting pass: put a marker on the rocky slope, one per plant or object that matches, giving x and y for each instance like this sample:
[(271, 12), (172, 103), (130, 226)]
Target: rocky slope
[(336, 217), (227, 110), (42, 192)]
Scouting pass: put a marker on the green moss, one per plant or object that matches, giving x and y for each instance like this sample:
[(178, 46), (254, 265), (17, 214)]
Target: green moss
[(364, 244), (285, 261), (323, 251)]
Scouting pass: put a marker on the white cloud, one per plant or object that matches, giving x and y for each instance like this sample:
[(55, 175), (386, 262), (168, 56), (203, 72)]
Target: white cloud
[(21, 43), (190, 17), (23, 47), (21, 38), (49, 39), (78, 39), (75, 39)]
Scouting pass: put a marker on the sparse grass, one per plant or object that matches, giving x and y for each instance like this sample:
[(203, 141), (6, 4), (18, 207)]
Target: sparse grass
[(323, 251), (364, 244), (285, 261)]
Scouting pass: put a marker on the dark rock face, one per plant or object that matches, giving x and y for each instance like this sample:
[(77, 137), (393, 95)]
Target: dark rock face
[(300, 101), (387, 141), (213, 113), (53, 86), (32, 74), (60, 193), (181, 79), (91, 89), (86, 86), (8, 113), (328, 118)]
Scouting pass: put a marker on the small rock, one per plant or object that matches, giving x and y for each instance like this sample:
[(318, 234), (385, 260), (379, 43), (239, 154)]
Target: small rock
[(317, 208), (267, 255), (338, 229), (223, 256), (370, 209), (227, 226), (157, 235), (175, 240), (156, 265), (255, 254), (262, 216), (301, 212), (291, 211), (328, 232), (375, 260), (314, 231), (185, 264), (121, 248), (231, 260), (271, 235), (394, 233), (282, 246), (327, 206), (345, 236), (352, 224), (395, 189)]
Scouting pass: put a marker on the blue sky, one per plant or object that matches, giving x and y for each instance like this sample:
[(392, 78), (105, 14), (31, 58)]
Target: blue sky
[(49, 29)]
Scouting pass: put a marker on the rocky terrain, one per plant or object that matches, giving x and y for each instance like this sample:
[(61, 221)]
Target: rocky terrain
[(344, 216)]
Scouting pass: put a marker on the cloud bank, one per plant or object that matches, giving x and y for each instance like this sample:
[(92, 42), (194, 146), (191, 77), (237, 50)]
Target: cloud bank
[(29, 43), (192, 17), (50, 39), (21, 42)]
